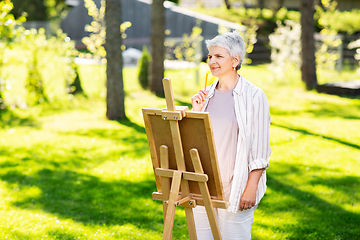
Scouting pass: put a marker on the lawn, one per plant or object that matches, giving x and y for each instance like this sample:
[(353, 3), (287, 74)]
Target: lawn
[(68, 173)]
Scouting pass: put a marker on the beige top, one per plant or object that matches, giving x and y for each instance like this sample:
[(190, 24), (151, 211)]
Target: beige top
[(225, 129)]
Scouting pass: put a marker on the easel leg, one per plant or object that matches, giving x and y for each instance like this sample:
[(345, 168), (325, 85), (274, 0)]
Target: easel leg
[(188, 211), (190, 223), (206, 196), (165, 181), (170, 213)]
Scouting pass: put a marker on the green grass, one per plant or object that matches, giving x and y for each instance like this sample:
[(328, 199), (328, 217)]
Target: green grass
[(68, 173)]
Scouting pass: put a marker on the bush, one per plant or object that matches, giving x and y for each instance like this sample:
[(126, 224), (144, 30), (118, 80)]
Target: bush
[(8, 30), (143, 75), (75, 86), (285, 49), (37, 68)]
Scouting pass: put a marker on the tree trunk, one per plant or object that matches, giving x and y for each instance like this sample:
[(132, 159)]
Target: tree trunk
[(275, 5), (115, 107), (157, 47), (227, 3), (308, 69), (260, 4)]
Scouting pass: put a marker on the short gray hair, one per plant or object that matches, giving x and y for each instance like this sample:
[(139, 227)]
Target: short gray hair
[(232, 42)]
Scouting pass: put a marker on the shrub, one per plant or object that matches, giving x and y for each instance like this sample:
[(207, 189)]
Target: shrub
[(356, 45), (49, 63), (38, 68), (285, 48), (75, 86), (143, 74), (7, 32)]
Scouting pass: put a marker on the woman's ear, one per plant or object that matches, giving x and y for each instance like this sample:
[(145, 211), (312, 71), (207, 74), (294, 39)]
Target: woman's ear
[(236, 60)]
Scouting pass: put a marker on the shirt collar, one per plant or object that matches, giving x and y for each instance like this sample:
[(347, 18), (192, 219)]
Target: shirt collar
[(239, 88)]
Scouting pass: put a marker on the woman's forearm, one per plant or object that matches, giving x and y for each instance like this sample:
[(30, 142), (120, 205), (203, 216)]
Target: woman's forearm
[(254, 177), (248, 198)]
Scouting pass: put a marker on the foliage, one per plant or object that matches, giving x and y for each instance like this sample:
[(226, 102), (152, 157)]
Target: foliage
[(188, 48), (97, 38), (75, 86), (265, 19), (327, 53), (44, 66), (143, 73), (250, 39), (340, 21), (286, 46), (41, 53), (356, 44), (285, 49), (345, 22), (95, 42), (40, 10), (8, 21), (7, 31), (69, 173), (174, 1)]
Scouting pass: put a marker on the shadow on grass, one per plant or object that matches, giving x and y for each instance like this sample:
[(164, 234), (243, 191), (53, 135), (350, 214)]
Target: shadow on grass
[(181, 103), (55, 234), (87, 199), (127, 122), (316, 217), (10, 118), (130, 138), (324, 109), (36, 157), (304, 131)]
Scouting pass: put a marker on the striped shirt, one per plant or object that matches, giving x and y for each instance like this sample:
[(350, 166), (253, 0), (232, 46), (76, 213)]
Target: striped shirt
[(253, 145)]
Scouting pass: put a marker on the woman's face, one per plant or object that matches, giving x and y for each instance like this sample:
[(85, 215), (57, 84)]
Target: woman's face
[(220, 62)]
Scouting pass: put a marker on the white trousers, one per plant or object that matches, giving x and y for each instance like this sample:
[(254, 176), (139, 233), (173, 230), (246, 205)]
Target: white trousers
[(233, 226)]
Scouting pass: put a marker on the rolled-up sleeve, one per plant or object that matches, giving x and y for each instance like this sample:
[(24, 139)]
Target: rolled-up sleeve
[(260, 150)]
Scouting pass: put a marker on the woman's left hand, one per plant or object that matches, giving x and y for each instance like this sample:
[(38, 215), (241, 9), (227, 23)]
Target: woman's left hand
[(248, 199)]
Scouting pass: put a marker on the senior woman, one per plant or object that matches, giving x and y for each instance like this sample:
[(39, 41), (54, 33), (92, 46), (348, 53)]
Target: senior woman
[(240, 118)]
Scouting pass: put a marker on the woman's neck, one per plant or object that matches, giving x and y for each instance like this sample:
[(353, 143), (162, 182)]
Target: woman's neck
[(227, 82)]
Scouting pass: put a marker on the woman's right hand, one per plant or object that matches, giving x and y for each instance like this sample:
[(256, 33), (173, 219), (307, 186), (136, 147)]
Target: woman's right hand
[(198, 100)]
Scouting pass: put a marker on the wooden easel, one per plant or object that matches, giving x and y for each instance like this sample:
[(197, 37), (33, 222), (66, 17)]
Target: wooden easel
[(179, 174)]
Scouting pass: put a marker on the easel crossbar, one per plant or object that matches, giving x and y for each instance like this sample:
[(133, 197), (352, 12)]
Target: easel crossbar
[(198, 177), (198, 200)]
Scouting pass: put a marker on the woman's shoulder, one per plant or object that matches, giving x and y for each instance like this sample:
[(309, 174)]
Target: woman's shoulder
[(254, 89)]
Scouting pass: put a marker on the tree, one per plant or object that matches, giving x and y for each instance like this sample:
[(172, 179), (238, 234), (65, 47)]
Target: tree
[(115, 98), (308, 69), (157, 47), (260, 4), (227, 4)]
